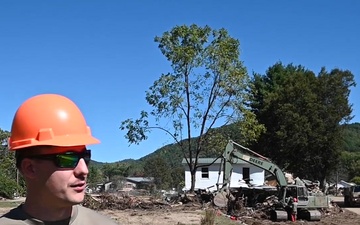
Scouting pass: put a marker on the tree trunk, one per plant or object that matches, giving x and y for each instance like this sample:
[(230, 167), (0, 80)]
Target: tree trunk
[(323, 185), (193, 179)]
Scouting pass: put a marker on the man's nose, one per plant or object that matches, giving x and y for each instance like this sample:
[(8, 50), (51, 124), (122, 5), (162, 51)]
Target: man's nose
[(81, 167)]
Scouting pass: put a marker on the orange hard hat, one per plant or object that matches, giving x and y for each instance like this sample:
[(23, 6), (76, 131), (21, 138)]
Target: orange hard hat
[(49, 119)]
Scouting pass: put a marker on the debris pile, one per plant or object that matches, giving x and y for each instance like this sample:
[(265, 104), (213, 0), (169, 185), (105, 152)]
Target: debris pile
[(240, 208), (114, 202)]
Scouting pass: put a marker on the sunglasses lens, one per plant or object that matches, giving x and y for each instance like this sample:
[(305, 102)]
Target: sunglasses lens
[(71, 159), (67, 161)]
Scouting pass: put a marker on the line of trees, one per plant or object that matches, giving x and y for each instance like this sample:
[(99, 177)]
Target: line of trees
[(302, 113), (11, 184)]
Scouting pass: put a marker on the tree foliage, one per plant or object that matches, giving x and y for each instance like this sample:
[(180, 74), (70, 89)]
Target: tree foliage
[(114, 170), (10, 181), (8, 187), (135, 169), (351, 137), (350, 158), (159, 169), (95, 176), (356, 180), (350, 162), (208, 87), (302, 113)]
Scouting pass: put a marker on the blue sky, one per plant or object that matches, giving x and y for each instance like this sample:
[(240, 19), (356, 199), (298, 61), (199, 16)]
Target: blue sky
[(102, 54)]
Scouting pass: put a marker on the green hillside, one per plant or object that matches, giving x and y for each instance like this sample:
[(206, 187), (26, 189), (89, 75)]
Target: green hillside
[(173, 155), (351, 137)]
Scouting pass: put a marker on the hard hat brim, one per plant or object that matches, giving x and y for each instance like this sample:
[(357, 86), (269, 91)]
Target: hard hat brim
[(61, 141)]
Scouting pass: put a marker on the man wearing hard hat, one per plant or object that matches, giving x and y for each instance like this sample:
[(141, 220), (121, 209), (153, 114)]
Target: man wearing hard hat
[(49, 136)]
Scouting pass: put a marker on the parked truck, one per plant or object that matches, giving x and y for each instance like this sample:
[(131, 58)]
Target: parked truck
[(293, 200), (352, 195)]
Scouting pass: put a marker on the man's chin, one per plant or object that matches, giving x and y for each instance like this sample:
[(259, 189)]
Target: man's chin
[(78, 198)]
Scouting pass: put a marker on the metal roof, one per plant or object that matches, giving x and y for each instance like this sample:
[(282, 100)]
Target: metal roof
[(140, 179), (211, 160)]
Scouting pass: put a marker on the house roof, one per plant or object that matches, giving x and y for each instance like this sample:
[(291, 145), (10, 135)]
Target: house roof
[(211, 160), (343, 183), (140, 179)]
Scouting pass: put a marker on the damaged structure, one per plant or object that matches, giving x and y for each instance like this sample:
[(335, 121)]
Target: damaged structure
[(207, 177), (285, 198)]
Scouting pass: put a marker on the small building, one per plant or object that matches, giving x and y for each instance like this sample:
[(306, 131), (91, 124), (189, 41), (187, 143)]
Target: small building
[(132, 183), (208, 175), (103, 187)]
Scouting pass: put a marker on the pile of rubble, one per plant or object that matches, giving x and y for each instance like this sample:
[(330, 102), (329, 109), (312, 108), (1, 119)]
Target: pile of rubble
[(116, 202), (253, 202), (238, 208)]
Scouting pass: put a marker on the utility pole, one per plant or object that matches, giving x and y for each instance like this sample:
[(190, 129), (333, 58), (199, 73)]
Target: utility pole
[(17, 182), (337, 181)]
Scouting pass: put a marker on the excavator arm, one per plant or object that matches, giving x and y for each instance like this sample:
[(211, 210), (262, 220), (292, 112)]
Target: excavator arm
[(235, 152)]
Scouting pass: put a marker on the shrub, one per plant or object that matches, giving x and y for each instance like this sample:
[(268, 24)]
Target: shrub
[(356, 180), (8, 187), (209, 218)]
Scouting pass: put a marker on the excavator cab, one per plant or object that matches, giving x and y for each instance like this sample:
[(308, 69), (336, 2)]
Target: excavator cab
[(298, 192)]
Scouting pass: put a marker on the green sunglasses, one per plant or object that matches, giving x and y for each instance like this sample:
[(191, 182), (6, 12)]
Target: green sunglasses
[(66, 160)]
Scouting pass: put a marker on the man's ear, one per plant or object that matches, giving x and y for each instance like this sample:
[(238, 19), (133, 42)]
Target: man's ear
[(28, 168)]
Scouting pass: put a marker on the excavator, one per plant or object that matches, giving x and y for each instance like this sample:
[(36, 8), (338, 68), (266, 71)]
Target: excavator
[(294, 200)]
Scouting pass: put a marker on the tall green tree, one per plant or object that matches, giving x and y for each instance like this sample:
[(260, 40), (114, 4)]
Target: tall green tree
[(159, 169), (350, 162), (333, 90), (114, 170), (178, 179), (135, 169), (208, 87), (7, 165), (95, 176), (302, 113), (10, 181)]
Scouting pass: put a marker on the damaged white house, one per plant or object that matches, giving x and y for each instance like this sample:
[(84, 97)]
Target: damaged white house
[(207, 176)]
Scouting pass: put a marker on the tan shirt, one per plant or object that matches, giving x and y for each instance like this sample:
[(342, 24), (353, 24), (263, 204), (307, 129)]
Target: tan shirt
[(80, 216)]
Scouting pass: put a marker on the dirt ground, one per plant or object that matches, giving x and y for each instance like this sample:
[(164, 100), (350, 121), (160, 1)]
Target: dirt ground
[(185, 215), (142, 217), (163, 217)]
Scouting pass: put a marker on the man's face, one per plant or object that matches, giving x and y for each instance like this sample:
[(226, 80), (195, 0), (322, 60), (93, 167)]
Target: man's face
[(60, 186)]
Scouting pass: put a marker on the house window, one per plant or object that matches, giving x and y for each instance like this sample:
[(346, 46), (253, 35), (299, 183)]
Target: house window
[(204, 172), (246, 174)]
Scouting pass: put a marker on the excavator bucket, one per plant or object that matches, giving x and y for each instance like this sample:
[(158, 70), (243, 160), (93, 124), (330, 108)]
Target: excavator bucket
[(221, 199)]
